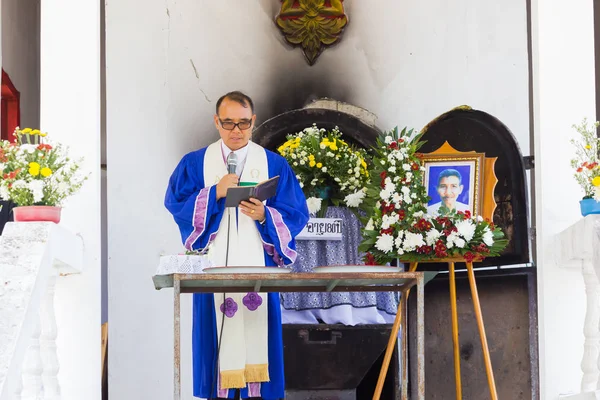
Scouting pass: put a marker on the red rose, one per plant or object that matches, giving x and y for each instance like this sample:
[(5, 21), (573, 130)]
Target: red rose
[(469, 257), (370, 260)]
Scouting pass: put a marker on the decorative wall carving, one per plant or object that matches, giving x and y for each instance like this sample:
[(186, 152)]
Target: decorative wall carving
[(312, 24)]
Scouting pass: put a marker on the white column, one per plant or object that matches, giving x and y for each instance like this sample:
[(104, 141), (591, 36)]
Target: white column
[(48, 350), (70, 113), (563, 93)]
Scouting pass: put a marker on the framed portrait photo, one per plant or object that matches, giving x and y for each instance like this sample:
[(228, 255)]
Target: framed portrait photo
[(453, 182)]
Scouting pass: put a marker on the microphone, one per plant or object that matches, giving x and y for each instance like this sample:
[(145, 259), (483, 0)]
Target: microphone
[(231, 163)]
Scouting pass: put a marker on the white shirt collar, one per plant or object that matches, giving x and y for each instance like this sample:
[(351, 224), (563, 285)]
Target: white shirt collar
[(240, 153)]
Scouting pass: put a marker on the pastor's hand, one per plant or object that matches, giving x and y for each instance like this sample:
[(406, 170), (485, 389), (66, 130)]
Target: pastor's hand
[(253, 208), (229, 180)]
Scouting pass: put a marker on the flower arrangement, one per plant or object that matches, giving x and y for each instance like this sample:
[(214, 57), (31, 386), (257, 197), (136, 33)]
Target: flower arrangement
[(328, 169), (586, 162), (35, 172), (397, 225)]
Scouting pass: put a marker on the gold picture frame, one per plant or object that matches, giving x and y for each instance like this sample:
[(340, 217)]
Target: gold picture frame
[(460, 180)]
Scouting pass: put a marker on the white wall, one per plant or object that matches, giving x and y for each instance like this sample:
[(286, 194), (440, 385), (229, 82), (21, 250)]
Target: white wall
[(70, 112), (564, 93), (21, 54), (406, 62)]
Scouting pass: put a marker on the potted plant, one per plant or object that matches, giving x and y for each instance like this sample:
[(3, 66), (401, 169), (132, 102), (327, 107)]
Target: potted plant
[(329, 170), (37, 176), (587, 166)]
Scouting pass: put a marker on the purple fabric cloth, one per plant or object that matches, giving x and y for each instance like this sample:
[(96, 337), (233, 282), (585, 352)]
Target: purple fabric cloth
[(199, 221), (254, 389), (283, 233), (313, 253)]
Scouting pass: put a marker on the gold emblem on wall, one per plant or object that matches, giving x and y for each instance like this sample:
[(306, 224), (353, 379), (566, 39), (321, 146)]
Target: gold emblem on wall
[(312, 24)]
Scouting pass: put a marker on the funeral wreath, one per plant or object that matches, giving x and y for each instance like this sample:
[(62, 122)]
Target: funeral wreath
[(397, 224)]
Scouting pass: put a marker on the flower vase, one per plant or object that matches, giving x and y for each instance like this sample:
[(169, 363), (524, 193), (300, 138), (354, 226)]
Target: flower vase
[(36, 214), (589, 206)]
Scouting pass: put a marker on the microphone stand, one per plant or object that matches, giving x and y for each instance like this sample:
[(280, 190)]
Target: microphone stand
[(230, 170)]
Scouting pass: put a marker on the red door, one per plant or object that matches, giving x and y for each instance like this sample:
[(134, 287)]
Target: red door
[(11, 115)]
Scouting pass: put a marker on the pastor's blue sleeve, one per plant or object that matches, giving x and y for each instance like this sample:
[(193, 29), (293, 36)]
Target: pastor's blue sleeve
[(194, 207), (286, 213)]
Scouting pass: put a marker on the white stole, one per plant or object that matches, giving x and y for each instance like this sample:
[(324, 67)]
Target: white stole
[(243, 356)]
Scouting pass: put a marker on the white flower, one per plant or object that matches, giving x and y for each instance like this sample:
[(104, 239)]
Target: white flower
[(421, 214), (460, 243), (488, 237), (406, 167), (405, 190), (432, 236), (466, 229), (295, 164), (354, 199), (4, 193), (479, 218), (412, 241), (36, 187), (452, 237), (20, 184), (396, 198), (294, 156), (29, 148), (302, 162), (314, 204), (389, 186), (382, 162), (387, 220), (385, 243), (369, 226), (322, 146), (388, 140), (324, 169), (385, 195)]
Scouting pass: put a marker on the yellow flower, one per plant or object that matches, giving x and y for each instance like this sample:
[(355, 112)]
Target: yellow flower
[(43, 134), (33, 164), (46, 172), (587, 146), (35, 132), (311, 158), (312, 163), (596, 181), (26, 130), (319, 165), (35, 171), (363, 163)]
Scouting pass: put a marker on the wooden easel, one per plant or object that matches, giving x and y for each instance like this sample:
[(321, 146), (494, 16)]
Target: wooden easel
[(453, 307)]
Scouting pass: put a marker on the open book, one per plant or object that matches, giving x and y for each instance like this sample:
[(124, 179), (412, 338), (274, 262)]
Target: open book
[(262, 192)]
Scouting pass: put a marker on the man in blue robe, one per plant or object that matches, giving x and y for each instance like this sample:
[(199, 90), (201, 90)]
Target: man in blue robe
[(233, 236)]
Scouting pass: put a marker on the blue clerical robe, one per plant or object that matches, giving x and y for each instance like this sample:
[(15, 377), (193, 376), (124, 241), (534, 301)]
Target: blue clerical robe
[(277, 233)]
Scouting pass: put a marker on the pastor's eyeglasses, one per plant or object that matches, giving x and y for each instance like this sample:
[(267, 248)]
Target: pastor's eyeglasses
[(230, 125)]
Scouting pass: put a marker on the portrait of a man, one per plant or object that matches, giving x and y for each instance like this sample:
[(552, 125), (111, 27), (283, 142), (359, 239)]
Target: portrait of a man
[(449, 188)]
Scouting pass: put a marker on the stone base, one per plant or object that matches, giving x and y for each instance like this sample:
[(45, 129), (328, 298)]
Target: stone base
[(582, 396)]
